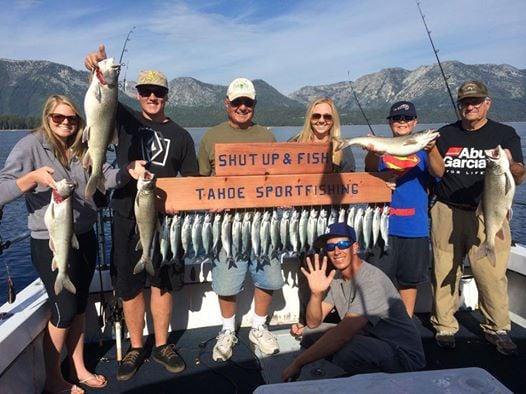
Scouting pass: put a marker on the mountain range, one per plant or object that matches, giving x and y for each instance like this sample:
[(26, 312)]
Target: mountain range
[(25, 84)]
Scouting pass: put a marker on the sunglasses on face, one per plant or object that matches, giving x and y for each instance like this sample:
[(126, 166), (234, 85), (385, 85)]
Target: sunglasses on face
[(475, 102), (327, 117), (247, 102), (146, 91), (405, 118), (330, 247), (59, 118)]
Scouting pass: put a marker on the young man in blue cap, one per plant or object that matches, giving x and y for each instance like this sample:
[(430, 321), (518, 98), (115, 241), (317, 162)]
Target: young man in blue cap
[(408, 259), (375, 332)]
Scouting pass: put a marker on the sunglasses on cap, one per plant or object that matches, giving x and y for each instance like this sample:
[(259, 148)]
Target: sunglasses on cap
[(330, 247), (316, 116), (246, 101), (406, 118), (146, 91), (59, 118)]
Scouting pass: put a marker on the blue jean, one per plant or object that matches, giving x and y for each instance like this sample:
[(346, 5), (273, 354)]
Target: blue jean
[(229, 281)]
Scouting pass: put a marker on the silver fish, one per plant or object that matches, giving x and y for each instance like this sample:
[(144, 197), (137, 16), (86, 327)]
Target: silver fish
[(341, 216), (197, 230), (358, 226), (274, 233), (206, 235), (304, 219), (165, 239), (147, 222), (245, 236), (264, 233), (175, 237), (321, 227), (333, 217), (312, 226), (226, 238), (294, 229), (255, 233), (237, 227), (384, 226), (398, 146), (497, 198), (186, 234), (100, 106), (377, 215), (284, 230), (367, 228), (59, 222), (216, 234), (350, 216)]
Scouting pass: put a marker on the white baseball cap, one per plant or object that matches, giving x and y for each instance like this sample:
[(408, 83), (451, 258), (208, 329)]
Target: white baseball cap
[(241, 87)]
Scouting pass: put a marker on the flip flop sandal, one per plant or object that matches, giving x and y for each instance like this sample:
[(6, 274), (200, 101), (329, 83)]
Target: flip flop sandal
[(98, 378), (72, 389)]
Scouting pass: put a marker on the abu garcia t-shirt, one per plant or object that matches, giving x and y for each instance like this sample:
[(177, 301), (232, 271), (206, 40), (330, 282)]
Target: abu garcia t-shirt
[(465, 159)]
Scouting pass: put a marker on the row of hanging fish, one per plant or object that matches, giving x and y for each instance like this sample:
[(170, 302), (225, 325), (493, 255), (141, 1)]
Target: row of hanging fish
[(262, 235)]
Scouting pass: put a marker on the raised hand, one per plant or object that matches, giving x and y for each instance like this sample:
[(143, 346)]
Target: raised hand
[(92, 59), (318, 280)]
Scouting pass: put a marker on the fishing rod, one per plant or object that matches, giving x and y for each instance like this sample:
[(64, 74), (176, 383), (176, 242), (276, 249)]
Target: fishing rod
[(359, 105), (122, 54), (438, 60)]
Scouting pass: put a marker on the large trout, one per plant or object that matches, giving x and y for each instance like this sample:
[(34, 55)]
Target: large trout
[(397, 146), (59, 222), (497, 197), (147, 221), (100, 106)]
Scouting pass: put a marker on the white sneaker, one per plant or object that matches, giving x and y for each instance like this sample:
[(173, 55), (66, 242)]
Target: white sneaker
[(226, 340), (264, 340)]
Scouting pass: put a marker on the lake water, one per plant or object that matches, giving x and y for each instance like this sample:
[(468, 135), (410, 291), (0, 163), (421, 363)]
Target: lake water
[(14, 221)]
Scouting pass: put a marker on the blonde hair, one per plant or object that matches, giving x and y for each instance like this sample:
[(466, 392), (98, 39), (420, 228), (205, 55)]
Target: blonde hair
[(307, 135), (74, 142)]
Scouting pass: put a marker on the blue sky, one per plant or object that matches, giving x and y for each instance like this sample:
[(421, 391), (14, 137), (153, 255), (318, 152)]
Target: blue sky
[(288, 43)]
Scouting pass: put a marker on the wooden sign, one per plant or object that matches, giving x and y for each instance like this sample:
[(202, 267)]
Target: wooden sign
[(259, 191), (272, 158)]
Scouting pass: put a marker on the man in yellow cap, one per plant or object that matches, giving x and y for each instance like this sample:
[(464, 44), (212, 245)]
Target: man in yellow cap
[(168, 150), (227, 279), (456, 230)]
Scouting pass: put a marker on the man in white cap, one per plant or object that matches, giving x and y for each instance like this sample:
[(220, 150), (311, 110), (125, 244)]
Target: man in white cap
[(227, 279), (168, 150)]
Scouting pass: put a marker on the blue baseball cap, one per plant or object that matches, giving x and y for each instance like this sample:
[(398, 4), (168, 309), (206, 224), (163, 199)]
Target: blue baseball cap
[(336, 230), (404, 108)]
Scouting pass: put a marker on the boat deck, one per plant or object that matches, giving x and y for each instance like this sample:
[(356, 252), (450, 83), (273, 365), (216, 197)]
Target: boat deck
[(245, 372)]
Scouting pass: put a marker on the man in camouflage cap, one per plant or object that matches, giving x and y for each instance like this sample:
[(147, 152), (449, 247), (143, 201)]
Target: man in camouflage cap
[(168, 150), (456, 230)]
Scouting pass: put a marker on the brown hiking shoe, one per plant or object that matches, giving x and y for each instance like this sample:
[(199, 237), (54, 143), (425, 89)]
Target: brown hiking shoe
[(501, 339)]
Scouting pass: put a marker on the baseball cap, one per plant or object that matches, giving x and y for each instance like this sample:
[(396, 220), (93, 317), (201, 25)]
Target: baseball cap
[(405, 108), (336, 230), (475, 89), (241, 87), (152, 77)]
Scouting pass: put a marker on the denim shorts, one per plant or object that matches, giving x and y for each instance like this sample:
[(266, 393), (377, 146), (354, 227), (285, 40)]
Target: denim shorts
[(227, 279)]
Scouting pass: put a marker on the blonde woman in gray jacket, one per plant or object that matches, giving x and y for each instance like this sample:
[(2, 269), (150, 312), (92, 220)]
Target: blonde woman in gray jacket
[(51, 153)]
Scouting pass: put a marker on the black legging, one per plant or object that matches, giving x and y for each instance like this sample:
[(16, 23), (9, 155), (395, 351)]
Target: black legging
[(81, 267)]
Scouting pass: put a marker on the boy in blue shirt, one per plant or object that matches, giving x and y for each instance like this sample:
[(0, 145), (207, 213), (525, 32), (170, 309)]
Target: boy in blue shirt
[(407, 260)]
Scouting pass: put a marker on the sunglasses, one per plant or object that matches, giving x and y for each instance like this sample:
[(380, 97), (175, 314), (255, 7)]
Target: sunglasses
[(474, 102), (330, 247), (327, 117), (59, 118), (398, 118), (146, 91), (247, 102)]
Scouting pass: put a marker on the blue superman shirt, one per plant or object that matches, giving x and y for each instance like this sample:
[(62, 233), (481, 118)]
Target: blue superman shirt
[(408, 215)]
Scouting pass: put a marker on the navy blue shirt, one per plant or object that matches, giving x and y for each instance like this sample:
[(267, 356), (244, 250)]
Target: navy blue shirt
[(408, 215)]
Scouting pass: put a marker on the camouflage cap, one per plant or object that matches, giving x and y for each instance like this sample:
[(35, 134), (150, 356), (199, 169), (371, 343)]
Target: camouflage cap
[(475, 89), (152, 77)]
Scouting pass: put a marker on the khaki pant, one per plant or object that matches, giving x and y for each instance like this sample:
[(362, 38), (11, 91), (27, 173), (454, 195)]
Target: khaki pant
[(456, 233)]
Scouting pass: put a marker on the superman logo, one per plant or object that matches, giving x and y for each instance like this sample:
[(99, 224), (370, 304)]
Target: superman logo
[(401, 163)]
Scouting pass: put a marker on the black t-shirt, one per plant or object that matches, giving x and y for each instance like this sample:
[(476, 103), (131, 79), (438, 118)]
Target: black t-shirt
[(465, 159), (168, 148)]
